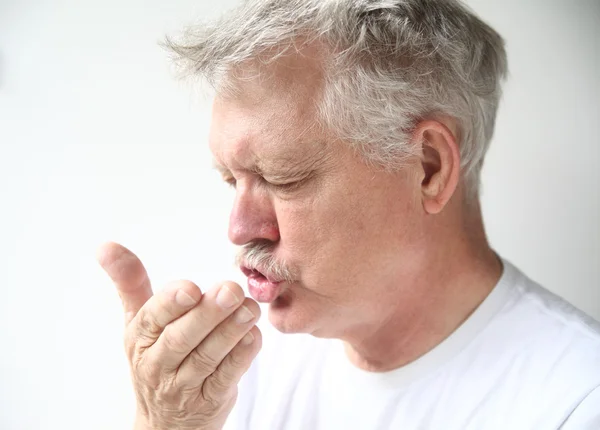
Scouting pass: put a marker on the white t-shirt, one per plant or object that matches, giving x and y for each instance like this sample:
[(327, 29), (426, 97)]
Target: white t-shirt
[(525, 359)]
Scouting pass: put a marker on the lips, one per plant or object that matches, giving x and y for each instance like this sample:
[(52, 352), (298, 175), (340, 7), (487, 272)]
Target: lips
[(264, 288)]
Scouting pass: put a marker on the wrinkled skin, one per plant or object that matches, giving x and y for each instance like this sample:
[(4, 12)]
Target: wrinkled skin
[(187, 350)]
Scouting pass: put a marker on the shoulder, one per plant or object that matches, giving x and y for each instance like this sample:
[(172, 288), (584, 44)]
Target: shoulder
[(551, 318), (555, 345), (557, 310), (586, 416)]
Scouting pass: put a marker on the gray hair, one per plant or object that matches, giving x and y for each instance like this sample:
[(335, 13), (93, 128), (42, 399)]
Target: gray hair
[(390, 64)]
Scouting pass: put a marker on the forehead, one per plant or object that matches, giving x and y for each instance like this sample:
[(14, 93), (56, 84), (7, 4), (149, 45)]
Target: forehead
[(271, 114)]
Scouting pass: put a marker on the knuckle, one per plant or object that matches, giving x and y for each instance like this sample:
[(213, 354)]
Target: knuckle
[(215, 388), (228, 333), (163, 305), (219, 385), (136, 343), (147, 325), (148, 374), (203, 360), (236, 361), (176, 340), (210, 410)]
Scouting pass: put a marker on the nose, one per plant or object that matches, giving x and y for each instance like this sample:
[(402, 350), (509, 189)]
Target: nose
[(252, 217)]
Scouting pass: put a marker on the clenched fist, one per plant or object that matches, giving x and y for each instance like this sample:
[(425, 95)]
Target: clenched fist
[(187, 350)]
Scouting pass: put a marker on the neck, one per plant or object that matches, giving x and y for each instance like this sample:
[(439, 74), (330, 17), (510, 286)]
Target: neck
[(454, 281)]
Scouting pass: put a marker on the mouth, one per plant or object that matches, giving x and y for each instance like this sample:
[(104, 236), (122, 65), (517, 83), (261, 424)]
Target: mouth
[(263, 287), (257, 274)]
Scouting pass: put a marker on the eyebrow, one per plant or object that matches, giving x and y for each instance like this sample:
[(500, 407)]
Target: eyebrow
[(224, 171), (280, 168), (285, 169)]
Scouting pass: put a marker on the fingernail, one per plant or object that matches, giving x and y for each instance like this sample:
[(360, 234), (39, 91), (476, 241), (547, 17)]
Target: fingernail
[(248, 339), (243, 315), (184, 299), (226, 298)]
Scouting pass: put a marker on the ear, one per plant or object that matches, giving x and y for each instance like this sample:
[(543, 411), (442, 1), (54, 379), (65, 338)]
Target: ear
[(440, 164)]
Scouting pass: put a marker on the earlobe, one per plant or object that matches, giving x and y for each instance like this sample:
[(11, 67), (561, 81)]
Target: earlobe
[(440, 164)]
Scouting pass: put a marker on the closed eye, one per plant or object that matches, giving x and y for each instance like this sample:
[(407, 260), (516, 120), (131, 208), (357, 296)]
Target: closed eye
[(290, 186), (230, 180)]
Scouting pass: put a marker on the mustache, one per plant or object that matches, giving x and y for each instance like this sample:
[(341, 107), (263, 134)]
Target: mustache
[(258, 255)]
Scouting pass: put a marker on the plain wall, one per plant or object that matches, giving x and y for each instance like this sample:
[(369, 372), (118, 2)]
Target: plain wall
[(99, 142)]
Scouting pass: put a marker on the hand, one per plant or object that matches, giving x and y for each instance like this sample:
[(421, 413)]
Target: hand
[(187, 350)]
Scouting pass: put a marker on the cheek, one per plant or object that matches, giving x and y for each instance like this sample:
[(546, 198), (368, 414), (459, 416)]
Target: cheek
[(338, 237), (303, 227)]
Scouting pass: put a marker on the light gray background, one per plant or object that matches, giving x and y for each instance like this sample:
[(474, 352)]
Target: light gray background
[(98, 142)]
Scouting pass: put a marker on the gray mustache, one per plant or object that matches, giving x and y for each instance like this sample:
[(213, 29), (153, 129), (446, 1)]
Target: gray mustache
[(259, 256)]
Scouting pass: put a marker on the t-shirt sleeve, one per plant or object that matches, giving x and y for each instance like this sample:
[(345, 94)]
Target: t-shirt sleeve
[(586, 415)]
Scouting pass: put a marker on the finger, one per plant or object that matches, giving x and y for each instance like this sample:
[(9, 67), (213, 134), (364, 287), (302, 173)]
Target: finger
[(184, 334), (207, 356), (219, 385), (128, 274), (159, 311)]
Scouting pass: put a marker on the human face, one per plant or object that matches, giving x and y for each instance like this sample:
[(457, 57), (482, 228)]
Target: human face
[(346, 230)]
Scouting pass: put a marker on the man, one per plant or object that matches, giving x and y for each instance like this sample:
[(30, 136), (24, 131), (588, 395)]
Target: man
[(354, 133)]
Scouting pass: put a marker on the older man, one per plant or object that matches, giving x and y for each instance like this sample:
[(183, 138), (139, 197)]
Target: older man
[(354, 133)]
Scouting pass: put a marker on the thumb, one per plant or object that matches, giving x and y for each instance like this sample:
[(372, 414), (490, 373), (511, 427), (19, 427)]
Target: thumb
[(129, 275)]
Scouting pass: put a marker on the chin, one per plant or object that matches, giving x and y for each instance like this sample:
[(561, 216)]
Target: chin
[(288, 314)]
